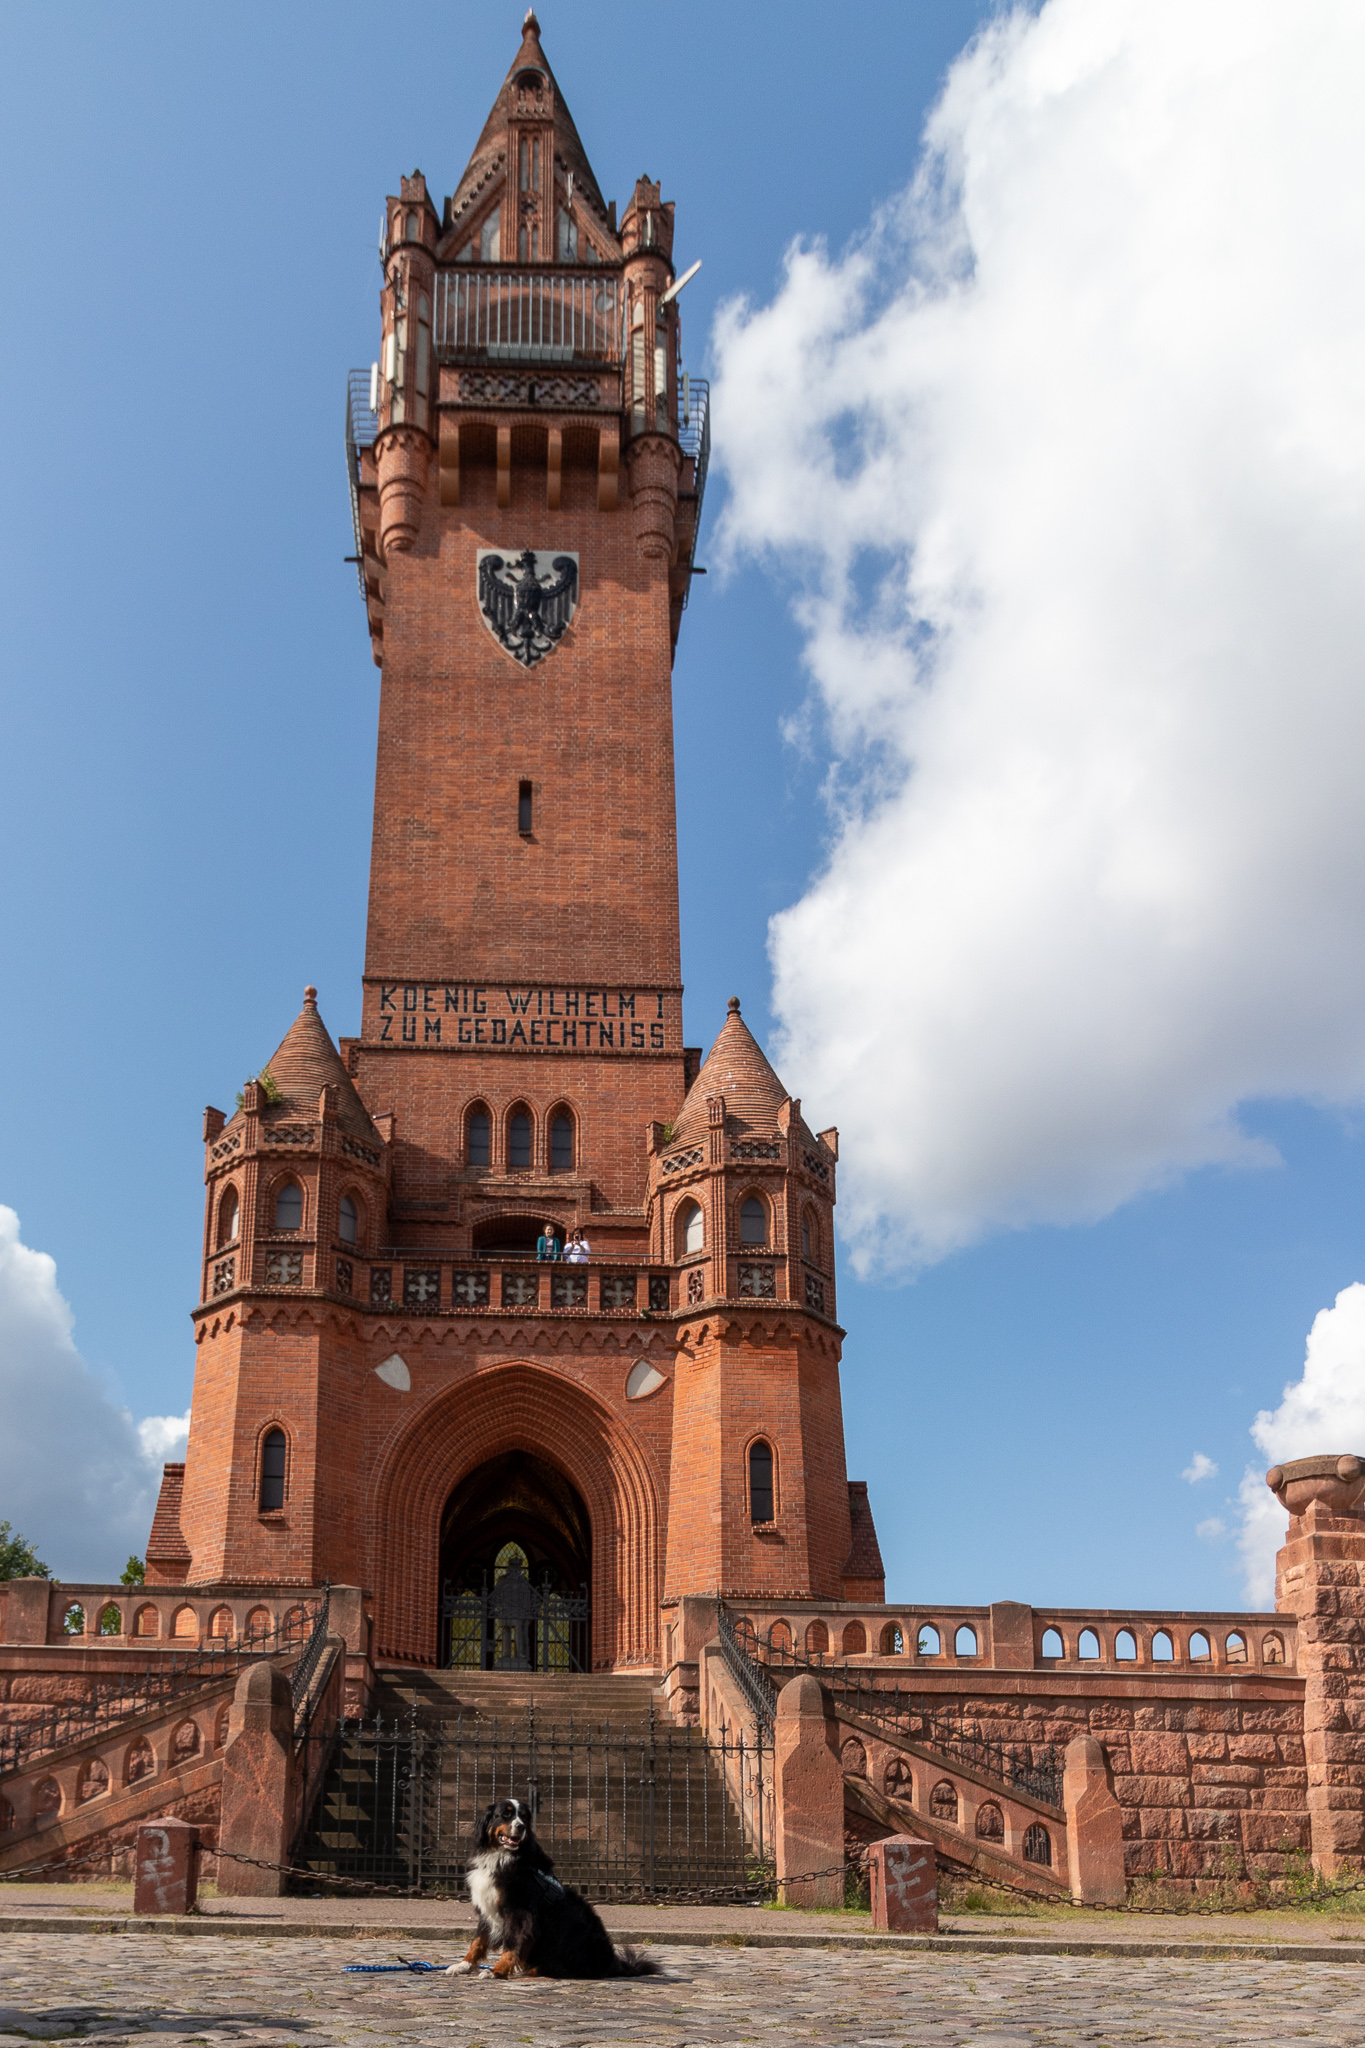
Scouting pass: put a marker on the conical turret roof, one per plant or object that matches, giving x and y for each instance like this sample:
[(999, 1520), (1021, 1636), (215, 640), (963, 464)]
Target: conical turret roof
[(304, 1063), (512, 99), (737, 1068)]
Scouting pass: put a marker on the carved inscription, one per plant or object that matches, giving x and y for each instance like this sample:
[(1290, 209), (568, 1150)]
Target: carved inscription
[(606, 1021)]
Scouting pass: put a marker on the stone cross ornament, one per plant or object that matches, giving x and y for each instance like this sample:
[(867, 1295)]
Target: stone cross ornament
[(527, 602)]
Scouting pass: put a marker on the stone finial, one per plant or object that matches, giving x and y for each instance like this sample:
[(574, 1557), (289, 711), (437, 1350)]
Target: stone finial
[(310, 994), (530, 26), (1334, 1484), (732, 1007)]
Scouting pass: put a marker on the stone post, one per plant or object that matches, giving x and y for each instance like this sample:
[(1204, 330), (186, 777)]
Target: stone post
[(26, 1610), (166, 1867), (810, 1796), (1094, 1826), (903, 1878), (256, 1767), (1011, 1636), (1320, 1577)]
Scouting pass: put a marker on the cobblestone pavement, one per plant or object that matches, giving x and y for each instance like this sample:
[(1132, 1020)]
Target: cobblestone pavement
[(127, 1987)]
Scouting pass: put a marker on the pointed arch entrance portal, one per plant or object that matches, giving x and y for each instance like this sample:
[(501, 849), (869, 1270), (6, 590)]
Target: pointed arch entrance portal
[(516, 1566)]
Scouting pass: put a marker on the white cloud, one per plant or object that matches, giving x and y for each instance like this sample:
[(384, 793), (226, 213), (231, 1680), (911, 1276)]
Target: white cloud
[(77, 1477), (1323, 1411), (163, 1438), (1065, 461), (1199, 1468), (1211, 1531)]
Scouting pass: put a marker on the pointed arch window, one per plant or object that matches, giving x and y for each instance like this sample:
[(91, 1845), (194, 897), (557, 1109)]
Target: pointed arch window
[(490, 238), (761, 1498), (519, 1140), (229, 1210), (289, 1207), (274, 1453), (691, 1229), (478, 1136), (753, 1221), (348, 1220), (561, 1142)]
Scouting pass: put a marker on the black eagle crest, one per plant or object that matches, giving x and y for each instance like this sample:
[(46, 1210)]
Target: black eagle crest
[(526, 612)]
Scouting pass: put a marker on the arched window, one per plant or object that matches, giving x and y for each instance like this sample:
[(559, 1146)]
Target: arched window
[(854, 1640), (817, 1639), (289, 1207), (753, 1221), (1089, 1644), (1236, 1648), (1272, 1650), (73, 1620), (348, 1220), (928, 1644), (964, 1642), (690, 1229), (1163, 1649), (1125, 1647), (1038, 1844), (810, 1235), (1053, 1646), (519, 1139), (853, 1758), (410, 228), (893, 1642), (561, 1142), (273, 1456), (228, 1211), (478, 1137), (760, 1481), (111, 1621), (1199, 1645)]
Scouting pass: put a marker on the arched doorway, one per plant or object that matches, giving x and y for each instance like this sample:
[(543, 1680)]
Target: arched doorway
[(516, 1566)]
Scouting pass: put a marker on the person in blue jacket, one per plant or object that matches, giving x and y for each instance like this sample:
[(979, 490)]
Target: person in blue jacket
[(547, 1245)]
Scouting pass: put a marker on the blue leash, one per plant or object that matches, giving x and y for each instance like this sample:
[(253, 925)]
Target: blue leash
[(387, 1969)]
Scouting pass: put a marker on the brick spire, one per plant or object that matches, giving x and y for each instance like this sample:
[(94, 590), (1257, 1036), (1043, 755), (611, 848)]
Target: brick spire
[(530, 88), (737, 1068), (305, 1063)]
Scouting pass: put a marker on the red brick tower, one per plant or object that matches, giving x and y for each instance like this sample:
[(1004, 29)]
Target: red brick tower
[(391, 1389)]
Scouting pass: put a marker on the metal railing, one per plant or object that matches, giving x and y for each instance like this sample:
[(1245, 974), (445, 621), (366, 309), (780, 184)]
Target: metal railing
[(694, 439), (624, 1812), (544, 316), (140, 1692), (1034, 1768), (753, 1681), (362, 429)]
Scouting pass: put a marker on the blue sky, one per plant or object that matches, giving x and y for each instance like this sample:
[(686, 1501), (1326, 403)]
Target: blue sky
[(193, 200)]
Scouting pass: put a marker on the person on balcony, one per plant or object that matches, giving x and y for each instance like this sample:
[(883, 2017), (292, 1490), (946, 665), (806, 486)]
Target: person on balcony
[(547, 1244), (577, 1251)]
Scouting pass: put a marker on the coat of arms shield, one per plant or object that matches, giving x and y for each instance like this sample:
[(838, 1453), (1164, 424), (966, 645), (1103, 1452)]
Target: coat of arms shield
[(527, 600)]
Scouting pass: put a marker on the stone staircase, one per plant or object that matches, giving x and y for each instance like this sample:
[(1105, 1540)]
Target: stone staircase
[(560, 1698)]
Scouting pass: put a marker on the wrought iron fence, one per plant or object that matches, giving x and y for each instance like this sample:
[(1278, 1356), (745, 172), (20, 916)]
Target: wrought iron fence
[(1035, 1768), (529, 315), (625, 1812), (179, 1673), (513, 1625)]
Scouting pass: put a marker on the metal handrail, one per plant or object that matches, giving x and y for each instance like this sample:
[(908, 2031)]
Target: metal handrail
[(312, 1651), (919, 1721), (537, 315), (694, 439), (757, 1688), (362, 431), (139, 1692)]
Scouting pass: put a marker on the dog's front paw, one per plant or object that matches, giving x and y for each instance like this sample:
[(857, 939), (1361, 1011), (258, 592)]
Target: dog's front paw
[(461, 1969)]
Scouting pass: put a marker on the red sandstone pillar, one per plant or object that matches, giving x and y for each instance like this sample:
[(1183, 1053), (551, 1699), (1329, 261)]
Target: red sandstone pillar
[(810, 1796), (903, 1874), (1094, 1827), (1320, 1577), (26, 1610), (256, 1767), (166, 1867)]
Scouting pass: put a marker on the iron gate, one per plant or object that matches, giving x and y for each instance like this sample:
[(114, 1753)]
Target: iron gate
[(513, 1625), (643, 1812)]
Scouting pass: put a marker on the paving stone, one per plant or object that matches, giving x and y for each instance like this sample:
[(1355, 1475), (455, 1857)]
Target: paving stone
[(293, 1993)]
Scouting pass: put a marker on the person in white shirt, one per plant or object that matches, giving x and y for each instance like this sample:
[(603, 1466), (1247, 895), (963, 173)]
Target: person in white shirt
[(577, 1251)]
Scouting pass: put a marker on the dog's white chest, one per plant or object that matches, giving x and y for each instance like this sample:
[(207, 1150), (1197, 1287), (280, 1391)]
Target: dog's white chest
[(482, 1879)]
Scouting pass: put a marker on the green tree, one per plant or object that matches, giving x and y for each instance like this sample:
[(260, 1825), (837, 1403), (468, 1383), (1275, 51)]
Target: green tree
[(18, 1558), (134, 1573)]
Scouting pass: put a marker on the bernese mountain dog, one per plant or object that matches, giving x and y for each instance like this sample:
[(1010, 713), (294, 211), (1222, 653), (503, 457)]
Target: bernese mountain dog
[(540, 1926)]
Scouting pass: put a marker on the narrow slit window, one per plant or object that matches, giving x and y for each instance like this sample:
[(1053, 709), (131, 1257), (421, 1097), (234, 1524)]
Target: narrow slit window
[(519, 1140), (561, 1143), (760, 1482), (524, 811), (272, 1471)]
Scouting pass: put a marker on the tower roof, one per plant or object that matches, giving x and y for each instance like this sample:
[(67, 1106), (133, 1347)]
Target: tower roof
[(519, 95), (305, 1062), (737, 1068)]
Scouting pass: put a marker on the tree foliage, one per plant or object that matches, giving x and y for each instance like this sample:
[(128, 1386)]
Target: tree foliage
[(18, 1558)]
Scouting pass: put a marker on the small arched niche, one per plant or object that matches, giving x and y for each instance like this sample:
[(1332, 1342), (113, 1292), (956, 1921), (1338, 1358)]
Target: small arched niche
[(229, 1212), (1053, 1646), (1088, 1648)]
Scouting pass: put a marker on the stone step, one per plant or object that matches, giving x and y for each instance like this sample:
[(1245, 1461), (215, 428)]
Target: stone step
[(558, 1697)]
